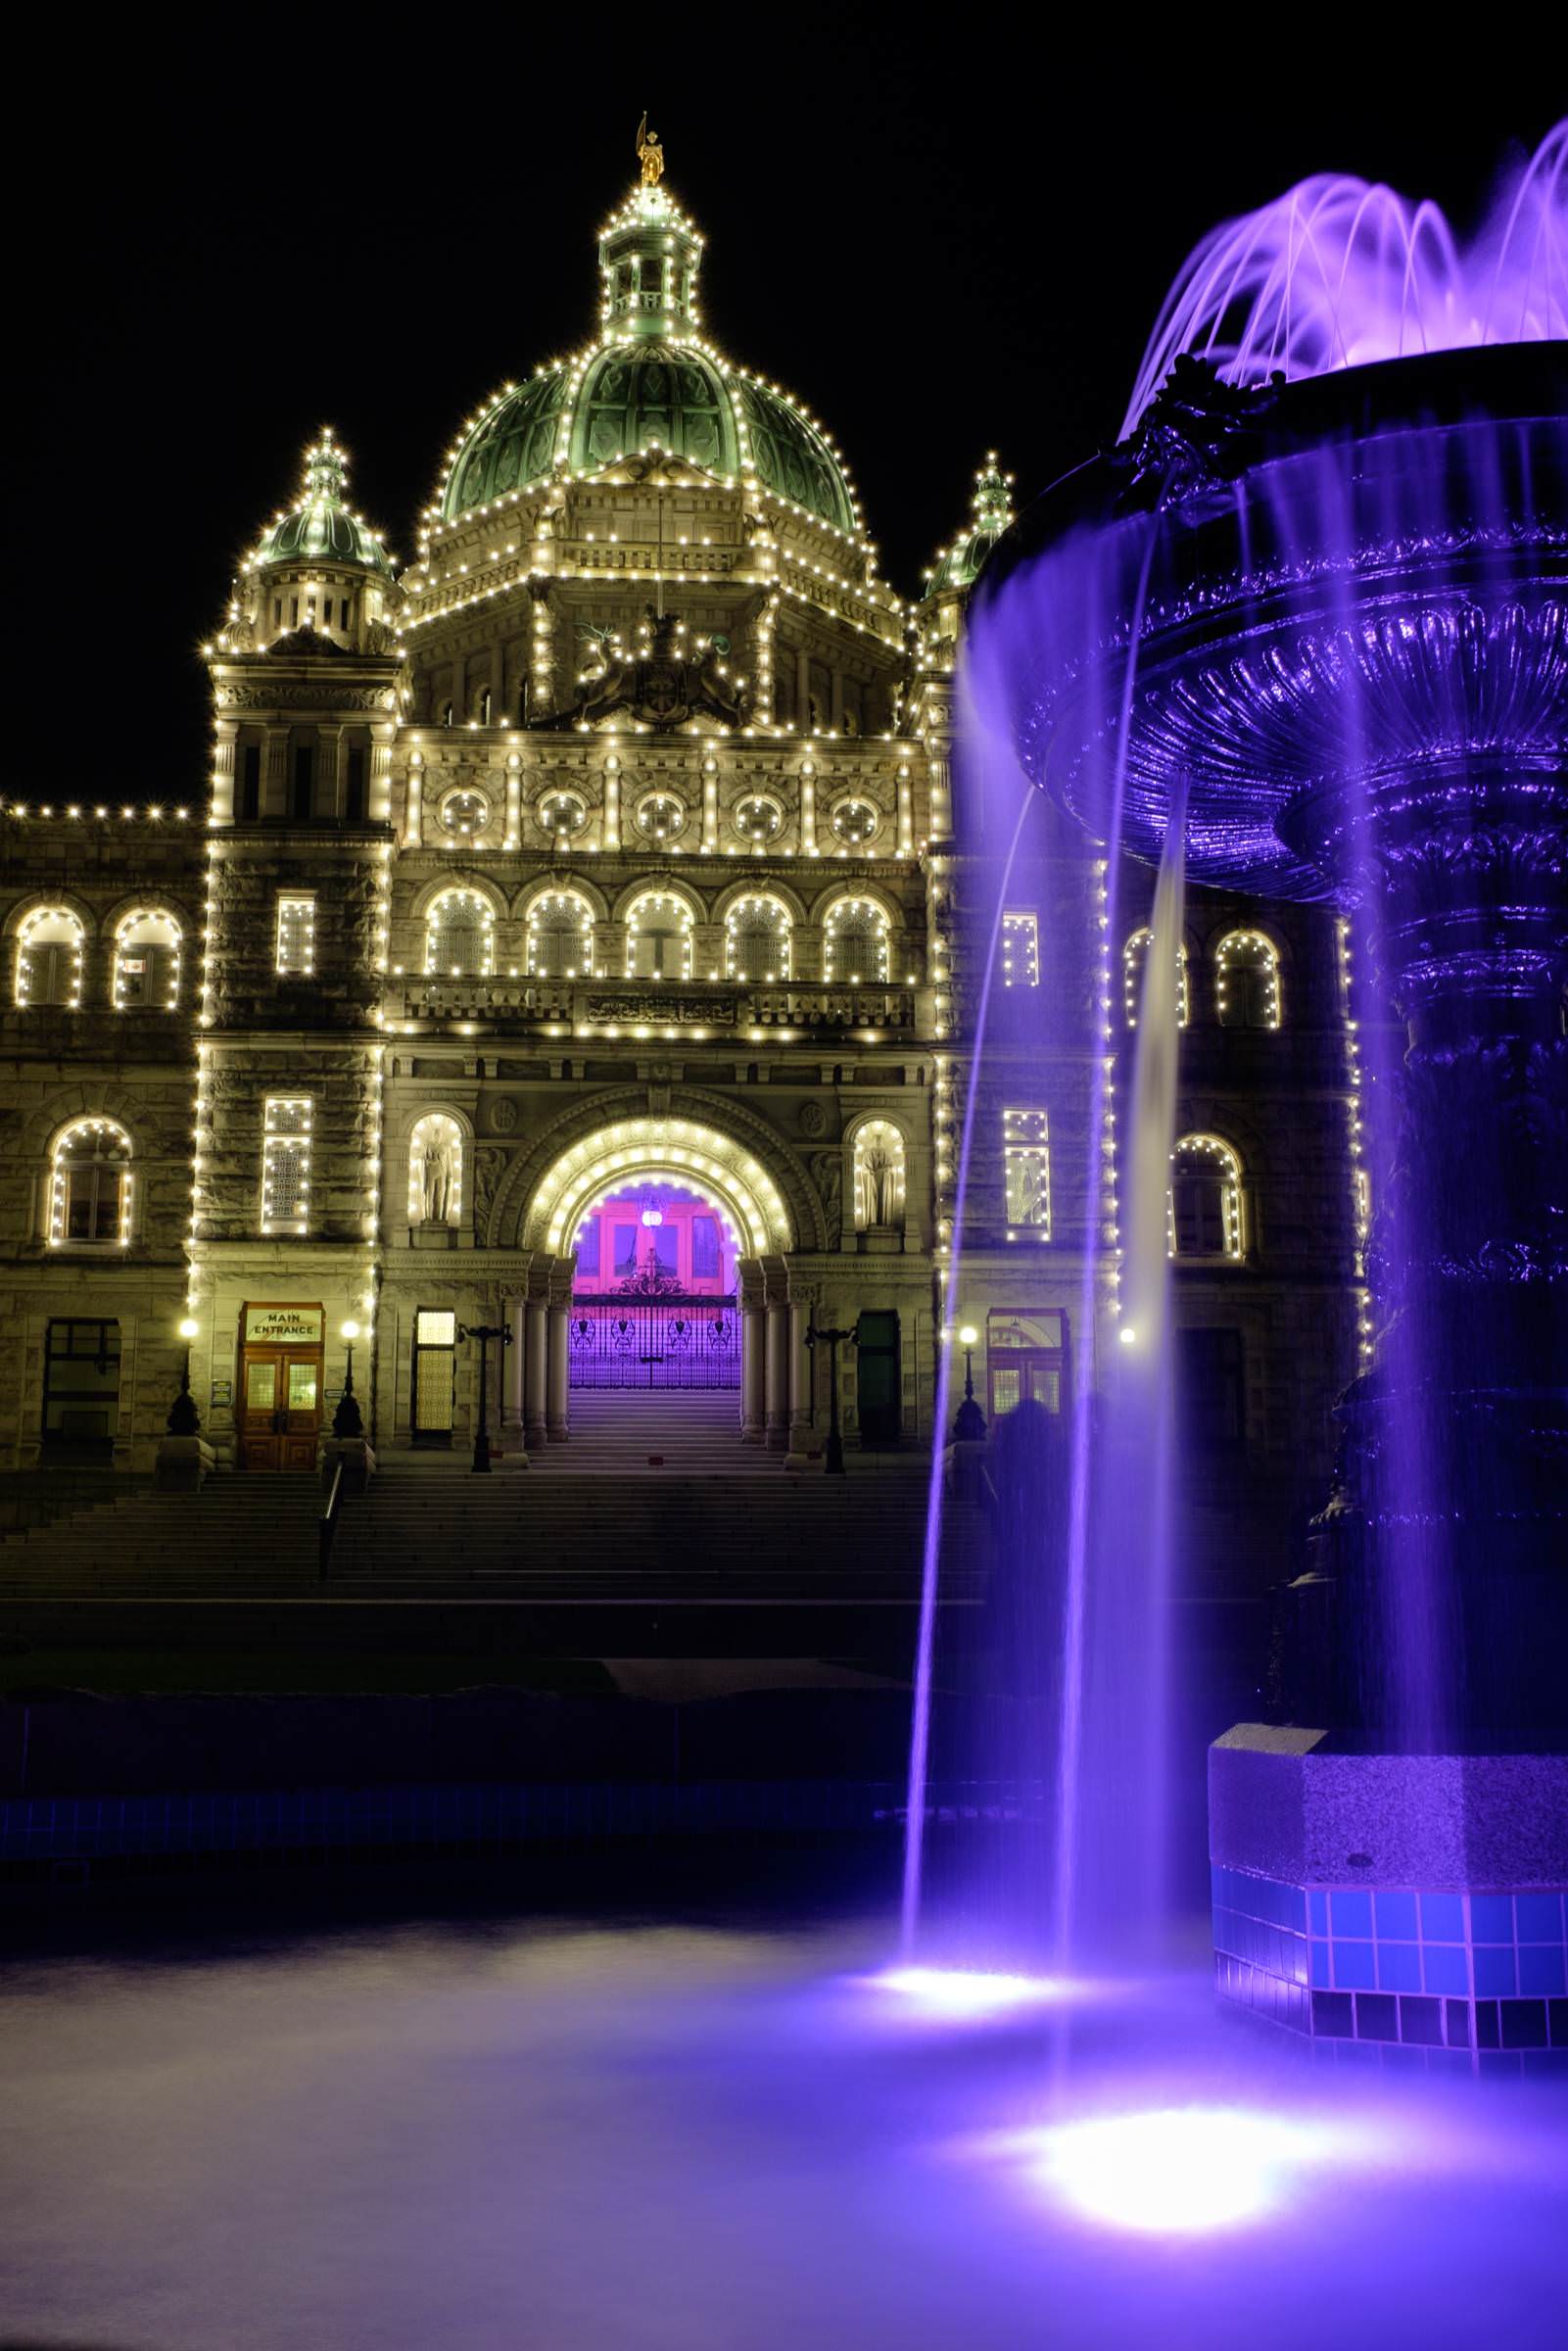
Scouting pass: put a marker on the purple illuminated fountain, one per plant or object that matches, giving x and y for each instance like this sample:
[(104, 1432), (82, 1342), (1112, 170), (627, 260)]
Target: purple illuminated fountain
[(1305, 631)]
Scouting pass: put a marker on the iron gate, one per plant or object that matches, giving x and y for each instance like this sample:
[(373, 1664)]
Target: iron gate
[(667, 1342)]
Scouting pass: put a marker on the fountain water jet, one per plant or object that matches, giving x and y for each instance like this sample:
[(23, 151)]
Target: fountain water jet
[(1342, 601)]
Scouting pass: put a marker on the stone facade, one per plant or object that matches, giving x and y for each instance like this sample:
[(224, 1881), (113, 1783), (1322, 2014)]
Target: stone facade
[(616, 840)]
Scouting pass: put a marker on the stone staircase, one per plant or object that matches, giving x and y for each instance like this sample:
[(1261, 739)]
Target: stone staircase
[(586, 1527)]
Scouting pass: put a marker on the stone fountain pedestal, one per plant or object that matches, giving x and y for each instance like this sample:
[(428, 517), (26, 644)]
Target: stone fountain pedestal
[(1414, 1906)]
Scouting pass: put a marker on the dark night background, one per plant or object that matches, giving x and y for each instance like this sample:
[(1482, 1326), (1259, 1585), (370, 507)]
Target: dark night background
[(939, 245)]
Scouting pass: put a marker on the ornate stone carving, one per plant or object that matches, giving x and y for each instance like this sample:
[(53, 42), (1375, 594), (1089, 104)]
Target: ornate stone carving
[(1197, 434), (828, 1175), (813, 1118), (488, 1166), (503, 1116)]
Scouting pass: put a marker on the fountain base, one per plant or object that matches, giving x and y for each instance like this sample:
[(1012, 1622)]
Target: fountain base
[(1403, 1903)]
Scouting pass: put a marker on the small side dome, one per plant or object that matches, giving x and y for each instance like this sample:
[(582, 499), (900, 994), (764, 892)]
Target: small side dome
[(959, 566), (320, 528)]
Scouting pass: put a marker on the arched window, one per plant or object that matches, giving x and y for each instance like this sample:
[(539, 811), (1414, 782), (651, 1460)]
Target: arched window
[(435, 1170), (50, 946), (560, 936), (1246, 980), (756, 939), (1134, 957), (90, 1185), (459, 936), (147, 947), (879, 1176), (1206, 1218), (658, 937), (855, 940)]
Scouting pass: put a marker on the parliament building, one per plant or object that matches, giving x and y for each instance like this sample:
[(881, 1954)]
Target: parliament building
[(579, 935)]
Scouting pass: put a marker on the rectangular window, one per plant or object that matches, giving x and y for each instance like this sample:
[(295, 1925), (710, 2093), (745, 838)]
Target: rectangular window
[(304, 783), (1026, 1160), (588, 1250), (434, 1338), (1021, 950), (705, 1248), (286, 1164), (667, 1248), (81, 1388), (624, 1251), (250, 783), (296, 935), (354, 783)]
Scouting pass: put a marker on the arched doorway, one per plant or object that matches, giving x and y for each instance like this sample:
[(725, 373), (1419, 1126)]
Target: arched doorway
[(599, 1182), (656, 1302)]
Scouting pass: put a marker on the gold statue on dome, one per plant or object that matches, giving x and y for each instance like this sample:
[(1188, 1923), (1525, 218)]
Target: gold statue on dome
[(649, 154)]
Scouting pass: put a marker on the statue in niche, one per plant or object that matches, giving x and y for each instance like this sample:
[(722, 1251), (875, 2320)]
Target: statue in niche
[(435, 1176), (879, 1179)]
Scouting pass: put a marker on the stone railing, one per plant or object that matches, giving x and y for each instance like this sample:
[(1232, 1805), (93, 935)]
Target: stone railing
[(655, 1006)]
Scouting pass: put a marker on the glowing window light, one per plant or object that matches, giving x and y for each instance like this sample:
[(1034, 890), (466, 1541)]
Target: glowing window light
[(1021, 950), (658, 937), (758, 818), (562, 814), (1026, 1172), (1203, 1200), (1133, 956), (51, 945), (1246, 980), (757, 931), (294, 938), (287, 1125), (460, 936), (855, 822), (90, 1185), (146, 960), (660, 817), (465, 813), (856, 938), (437, 1133), (560, 936)]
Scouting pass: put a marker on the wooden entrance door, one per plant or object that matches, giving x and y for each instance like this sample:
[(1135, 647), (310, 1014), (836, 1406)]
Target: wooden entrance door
[(280, 1406)]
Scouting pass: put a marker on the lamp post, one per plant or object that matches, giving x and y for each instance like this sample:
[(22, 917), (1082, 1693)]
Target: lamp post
[(347, 1420), (184, 1421), (484, 1333), (968, 1422), (834, 1460)]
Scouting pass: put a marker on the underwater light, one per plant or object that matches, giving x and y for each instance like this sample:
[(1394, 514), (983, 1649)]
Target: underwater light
[(960, 1992), (1180, 2172)]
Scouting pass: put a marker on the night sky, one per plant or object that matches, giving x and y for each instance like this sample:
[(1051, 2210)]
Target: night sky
[(938, 253)]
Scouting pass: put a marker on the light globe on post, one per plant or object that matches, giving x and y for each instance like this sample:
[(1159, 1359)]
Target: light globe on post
[(968, 1422), (347, 1420), (183, 1418)]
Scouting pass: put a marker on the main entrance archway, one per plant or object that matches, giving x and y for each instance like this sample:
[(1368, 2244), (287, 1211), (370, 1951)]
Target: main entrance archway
[(654, 1298)]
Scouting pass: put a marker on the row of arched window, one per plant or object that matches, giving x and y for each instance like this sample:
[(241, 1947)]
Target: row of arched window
[(857, 937), (1246, 969), (49, 966)]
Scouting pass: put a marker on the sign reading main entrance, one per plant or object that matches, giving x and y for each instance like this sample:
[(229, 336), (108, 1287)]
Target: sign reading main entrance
[(284, 1325), (279, 1414)]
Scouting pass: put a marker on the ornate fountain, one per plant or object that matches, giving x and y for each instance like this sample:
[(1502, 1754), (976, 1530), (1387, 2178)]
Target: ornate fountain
[(1318, 597)]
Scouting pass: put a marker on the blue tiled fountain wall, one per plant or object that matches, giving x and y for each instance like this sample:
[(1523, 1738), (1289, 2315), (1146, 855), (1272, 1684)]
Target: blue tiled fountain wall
[(1395, 1972)]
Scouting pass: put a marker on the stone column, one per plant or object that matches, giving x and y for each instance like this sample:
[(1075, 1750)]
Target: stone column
[(612, 805), (808, 810), (413, 813), (777, 1376), (803, 1438), (515, 800), (555, 1393), (710, 804), (753, 1383), (512, 1437), (537, 1348)]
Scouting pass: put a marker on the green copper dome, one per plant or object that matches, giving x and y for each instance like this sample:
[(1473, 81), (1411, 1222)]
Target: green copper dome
[(959, 566), (655, 383), (321, 528)]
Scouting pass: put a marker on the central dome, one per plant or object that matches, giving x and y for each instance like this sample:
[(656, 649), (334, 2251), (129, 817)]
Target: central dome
[(650, 383)]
